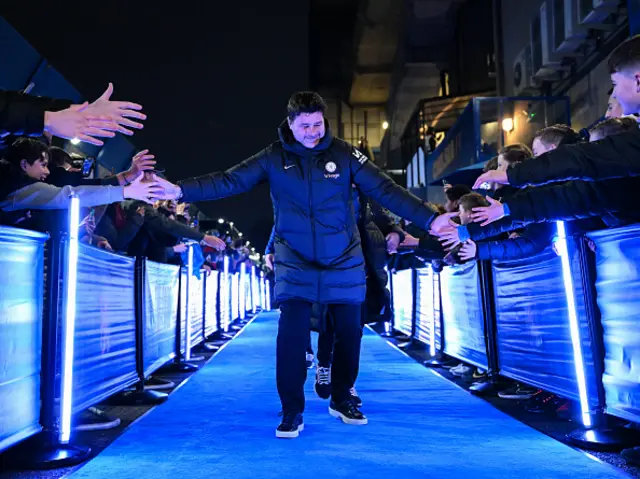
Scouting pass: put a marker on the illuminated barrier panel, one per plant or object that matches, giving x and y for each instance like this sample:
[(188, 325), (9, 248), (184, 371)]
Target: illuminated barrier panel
[(427, 329), (21, 304), (534, 338), (235, 296), (182, 317), (160, 314), (105, 329), (196, 309), (403, 301), (618, 296), (211, 303), (247, 289), (225, 297), (462, 314)]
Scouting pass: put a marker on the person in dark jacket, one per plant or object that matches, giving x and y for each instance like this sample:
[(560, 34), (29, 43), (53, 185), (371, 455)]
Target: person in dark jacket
[(379, 236), (28, 115), (318, 257)]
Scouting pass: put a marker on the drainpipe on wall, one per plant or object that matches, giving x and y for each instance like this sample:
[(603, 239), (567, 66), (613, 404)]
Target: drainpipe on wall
[(497, 47)]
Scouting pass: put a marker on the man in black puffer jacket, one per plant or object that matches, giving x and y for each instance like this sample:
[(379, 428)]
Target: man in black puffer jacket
[(317, 244)]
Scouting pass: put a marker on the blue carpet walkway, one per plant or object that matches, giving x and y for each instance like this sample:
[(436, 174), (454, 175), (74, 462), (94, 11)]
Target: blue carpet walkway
[(221, 425)]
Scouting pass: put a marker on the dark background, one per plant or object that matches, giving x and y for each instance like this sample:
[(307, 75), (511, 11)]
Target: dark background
[(213, 77)]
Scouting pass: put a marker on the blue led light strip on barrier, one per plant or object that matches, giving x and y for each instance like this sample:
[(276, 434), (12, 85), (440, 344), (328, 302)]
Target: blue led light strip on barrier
[(263, 298), (243, 287), (432, 313), (255, 294), (563, 249), (268, 294), (187, 353), (69, 327), (225, 297)]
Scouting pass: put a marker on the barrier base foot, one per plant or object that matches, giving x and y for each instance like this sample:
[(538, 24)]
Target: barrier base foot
[(180, 367), (434, 363), (139, 398), (196, 358), (62, 455), (225, 337), (603, 439), (210, 346)]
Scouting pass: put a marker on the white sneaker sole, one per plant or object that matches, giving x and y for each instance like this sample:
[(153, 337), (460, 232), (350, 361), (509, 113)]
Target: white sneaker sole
[(290, 434), (346, 420)]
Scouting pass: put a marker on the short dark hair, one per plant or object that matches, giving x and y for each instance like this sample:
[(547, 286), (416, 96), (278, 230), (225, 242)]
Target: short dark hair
[(614, 126), (473, 200), (457, 191), (28, 149), (558, 135), (625, 56), (492, 164), (305, 102), (516, 153)]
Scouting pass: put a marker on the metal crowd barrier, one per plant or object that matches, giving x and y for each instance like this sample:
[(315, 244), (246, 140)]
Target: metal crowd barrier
[(21, 307)]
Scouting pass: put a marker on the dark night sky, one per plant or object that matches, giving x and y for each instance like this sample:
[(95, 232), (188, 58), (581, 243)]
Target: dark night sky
[(213, 81)]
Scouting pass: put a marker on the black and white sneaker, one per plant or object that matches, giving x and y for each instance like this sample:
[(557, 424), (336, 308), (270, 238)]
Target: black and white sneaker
[(355, 397), (310, 359), (323, 382), (348, 412), (291, 426)]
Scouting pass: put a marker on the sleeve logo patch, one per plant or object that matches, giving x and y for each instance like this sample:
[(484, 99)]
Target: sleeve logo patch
[(362, 159)]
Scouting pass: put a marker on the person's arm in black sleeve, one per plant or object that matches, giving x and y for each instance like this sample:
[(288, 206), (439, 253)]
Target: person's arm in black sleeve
[(374, 183), (506, 224), (534, 239), (567, 202), (239, 179), (430, 248), (22, 114), (158, 222), (270, 248), (573, 200), (384, 222), (617, 156)]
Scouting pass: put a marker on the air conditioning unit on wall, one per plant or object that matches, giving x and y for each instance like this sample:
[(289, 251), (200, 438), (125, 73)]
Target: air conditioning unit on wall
[(544, 61), (523, 82), (567, 32), (596, 11)]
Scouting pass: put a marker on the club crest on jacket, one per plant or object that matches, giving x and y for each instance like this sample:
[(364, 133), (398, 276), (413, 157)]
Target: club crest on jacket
[(330, 167)]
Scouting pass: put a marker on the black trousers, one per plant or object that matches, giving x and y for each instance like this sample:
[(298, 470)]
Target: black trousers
[(293, 339), (324, 354)]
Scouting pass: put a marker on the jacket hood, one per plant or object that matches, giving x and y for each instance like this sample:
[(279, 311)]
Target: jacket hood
[(291, 144)]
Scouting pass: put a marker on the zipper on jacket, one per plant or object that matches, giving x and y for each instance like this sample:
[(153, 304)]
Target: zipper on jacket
[(311, 215)]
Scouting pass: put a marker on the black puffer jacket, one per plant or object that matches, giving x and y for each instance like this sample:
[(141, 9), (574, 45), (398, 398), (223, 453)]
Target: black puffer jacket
[(317, 244)]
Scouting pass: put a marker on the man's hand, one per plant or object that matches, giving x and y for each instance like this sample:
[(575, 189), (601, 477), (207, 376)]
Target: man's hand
[(118, 112), (468, 250), (449, 237), (441, 222), (269, 260), (214, 242), (493, 176), (140, 210), (169, 190), (140, 163), (147, 192), (409, 241), (102, 243), (180, 248), (393, 241), (77, 122), (488, 214)]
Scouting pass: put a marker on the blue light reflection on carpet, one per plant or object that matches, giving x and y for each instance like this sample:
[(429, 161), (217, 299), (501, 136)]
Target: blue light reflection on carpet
[(222, 422)]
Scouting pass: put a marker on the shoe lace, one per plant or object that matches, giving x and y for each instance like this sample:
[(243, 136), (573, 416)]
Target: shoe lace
[(323, 375)]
